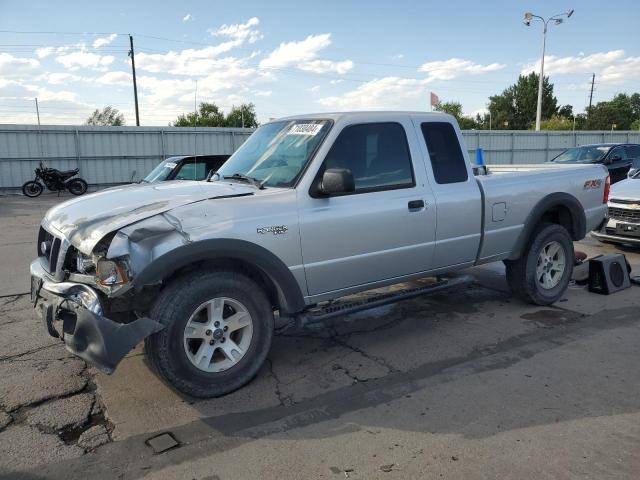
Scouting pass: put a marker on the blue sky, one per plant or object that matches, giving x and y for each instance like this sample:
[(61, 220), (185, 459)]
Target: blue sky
[(291, 57)]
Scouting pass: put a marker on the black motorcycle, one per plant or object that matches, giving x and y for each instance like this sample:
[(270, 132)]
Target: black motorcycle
[(55, 180)]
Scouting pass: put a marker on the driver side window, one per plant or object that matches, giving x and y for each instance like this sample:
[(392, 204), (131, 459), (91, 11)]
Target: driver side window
[(377, 154)]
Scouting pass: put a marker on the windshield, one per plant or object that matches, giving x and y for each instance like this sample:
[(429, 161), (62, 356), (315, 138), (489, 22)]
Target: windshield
[(162, 171), (277, 152), (588, 154)]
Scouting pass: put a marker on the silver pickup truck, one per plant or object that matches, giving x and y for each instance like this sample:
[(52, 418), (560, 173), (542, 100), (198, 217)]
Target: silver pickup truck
[(310, 209)]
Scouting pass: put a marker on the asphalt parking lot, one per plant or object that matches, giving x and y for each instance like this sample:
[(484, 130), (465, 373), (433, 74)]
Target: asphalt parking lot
[(467, 384)]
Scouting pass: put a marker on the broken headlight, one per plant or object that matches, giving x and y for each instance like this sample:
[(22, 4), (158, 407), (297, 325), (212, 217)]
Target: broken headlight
[(110, 273), (84, 264)]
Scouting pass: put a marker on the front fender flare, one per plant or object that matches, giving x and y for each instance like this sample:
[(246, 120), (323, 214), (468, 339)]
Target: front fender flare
[(290, 297)]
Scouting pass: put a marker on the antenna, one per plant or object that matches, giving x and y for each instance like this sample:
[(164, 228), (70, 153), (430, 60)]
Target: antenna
[(195, 130)]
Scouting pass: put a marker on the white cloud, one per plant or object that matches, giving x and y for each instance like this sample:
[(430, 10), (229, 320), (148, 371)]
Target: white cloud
[(187, 17), (114, 78), (102, 41), (15, 90), (59, 77), (396, 92), (610, 67), (263, 93), (315, 88), (191, 61), (44, 52), (14, 67), (327, 66), (83, 59), (455, 67), (303, 55), (379, 94), (240, 32)]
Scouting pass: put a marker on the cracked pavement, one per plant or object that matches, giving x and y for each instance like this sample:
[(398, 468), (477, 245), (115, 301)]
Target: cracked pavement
[(464, 384)]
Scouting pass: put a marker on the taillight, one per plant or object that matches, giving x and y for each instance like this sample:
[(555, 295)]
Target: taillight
[(607, 187)]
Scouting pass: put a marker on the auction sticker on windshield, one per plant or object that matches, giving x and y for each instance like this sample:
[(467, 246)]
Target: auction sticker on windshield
[(305, 129)]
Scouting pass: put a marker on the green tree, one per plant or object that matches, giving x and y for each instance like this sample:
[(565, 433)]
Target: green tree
[(565, 111), (557, 123), (242, 116), (516, 105), (208, 115), (107, 117), (635, 125), (455, 109), (622, 111)]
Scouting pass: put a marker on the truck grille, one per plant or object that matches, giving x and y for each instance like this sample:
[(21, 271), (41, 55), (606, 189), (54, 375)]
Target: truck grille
[(52, 252), (625, 214)]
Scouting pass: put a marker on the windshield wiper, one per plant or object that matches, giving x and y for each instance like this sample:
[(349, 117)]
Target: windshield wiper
[(245, 178)]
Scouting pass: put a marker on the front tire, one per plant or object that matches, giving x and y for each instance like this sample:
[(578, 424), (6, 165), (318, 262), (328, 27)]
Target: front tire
[(32, 189), (218, 332), (541, 275)]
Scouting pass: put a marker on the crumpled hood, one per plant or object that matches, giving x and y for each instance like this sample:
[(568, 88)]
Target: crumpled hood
[(84, 221), (626, 190)]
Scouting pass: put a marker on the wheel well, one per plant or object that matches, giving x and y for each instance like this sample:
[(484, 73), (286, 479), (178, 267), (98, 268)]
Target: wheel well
[(560, 215), (236, 265)]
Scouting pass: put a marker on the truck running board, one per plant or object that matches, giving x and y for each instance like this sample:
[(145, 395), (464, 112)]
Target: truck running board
[(334, 309)]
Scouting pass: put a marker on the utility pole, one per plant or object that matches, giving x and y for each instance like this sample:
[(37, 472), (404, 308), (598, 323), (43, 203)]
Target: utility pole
[(37, 111), (135, 85), (593, 80)]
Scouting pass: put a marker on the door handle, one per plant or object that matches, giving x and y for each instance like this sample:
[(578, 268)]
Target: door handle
[(416, 204)]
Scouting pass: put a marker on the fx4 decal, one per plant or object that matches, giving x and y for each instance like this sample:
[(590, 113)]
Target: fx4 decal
[(591, 184)]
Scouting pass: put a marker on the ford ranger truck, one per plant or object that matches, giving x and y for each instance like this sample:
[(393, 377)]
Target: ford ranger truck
[(308, 210)]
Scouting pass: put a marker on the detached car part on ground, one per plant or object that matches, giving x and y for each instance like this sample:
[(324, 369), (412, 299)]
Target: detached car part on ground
[(309, 209), (623, 224)]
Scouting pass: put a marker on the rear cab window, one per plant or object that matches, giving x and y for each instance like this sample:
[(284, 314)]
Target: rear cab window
[(447, 161)]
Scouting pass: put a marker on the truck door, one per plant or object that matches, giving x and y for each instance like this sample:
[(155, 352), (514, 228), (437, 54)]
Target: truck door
[(457, 194), (384, 229)]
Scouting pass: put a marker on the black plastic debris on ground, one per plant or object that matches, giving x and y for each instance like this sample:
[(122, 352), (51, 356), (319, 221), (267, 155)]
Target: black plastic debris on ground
[(162, 442)]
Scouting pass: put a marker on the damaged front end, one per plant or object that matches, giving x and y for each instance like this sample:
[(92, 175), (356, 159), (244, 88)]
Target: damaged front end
[(74, 291), (73, 312)]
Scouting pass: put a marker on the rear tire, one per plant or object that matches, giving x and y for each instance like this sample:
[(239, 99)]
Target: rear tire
[(541, 275), (77, 186), (32, 189), (175, 351)]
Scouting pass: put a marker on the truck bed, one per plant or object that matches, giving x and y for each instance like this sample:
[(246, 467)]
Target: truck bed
[(510, 191)]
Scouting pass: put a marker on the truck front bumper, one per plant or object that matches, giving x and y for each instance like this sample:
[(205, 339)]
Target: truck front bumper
[(617, 231), (73, 312)]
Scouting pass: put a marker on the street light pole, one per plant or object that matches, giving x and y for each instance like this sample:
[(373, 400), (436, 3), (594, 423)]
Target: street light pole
[(541, 80), (528, 17)]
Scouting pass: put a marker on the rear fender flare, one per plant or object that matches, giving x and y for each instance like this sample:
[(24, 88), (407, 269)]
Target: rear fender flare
[(578, 219)]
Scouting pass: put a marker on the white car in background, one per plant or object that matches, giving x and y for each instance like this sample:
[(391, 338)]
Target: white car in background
[(623, 225)]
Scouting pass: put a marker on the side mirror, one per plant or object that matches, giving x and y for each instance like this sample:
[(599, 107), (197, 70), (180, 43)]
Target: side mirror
[(337, 180), (632, 172)]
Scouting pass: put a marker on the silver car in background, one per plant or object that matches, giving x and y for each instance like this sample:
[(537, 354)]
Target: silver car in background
[(623, 225)]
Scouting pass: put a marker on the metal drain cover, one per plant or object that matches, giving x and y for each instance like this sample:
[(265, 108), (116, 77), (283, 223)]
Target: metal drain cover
[(162, 443)]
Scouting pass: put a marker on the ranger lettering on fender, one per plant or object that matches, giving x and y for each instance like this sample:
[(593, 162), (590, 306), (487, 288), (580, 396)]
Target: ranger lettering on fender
[(275, 229)]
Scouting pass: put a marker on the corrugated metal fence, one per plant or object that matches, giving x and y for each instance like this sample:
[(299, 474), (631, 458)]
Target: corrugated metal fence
[(105, 155), (108, 155)]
